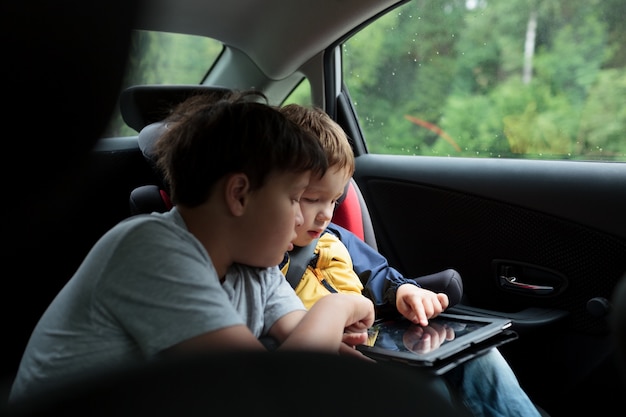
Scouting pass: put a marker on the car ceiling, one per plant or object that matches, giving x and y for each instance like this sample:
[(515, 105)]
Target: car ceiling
[(295, 36)]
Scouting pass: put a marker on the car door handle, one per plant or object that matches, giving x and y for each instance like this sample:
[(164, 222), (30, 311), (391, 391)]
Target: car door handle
[(512, 283), (525, 278)]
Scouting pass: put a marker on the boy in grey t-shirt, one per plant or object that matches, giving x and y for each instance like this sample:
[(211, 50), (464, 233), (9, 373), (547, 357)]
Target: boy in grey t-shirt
[(201, 277)]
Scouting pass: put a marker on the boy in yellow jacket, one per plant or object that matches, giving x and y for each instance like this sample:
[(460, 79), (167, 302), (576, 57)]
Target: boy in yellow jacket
[(330, 270)]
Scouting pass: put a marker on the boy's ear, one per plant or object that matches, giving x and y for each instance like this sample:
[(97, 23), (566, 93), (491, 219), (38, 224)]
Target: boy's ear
[(236, 193)]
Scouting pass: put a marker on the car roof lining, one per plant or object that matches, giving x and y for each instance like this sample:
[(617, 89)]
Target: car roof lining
[(277, 53)]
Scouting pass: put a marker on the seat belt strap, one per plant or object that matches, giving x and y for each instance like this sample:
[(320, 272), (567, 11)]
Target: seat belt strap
[(299, 258)]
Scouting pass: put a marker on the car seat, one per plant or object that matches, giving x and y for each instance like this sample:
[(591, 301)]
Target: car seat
[(185, 385)]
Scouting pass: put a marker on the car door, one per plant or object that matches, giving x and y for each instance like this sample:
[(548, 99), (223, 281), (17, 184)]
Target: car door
[(459, 170)]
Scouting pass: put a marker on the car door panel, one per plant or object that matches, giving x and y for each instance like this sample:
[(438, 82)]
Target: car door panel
[(540, 242), (431, 213)]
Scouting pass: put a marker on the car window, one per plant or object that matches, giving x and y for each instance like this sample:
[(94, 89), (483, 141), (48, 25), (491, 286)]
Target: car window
[(492, 79), (164, 58), (173, 58), (301, 94)]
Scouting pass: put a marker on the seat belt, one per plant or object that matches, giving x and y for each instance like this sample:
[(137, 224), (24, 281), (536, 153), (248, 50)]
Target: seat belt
[(299, 258)]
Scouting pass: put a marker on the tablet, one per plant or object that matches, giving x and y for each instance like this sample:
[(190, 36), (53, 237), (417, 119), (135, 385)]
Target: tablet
[(447, 341)]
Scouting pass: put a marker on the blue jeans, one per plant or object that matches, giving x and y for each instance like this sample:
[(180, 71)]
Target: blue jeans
[(488, 387)]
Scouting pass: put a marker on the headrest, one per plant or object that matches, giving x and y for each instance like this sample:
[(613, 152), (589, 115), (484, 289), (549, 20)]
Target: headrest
[(148, 137), (141, 105)]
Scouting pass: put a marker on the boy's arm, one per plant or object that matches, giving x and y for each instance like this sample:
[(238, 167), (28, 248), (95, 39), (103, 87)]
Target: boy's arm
[(391, 292), (322, 327), (380, 280), (230, 338), (332, 324)]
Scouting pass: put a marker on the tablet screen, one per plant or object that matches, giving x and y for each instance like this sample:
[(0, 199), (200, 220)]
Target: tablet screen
[(404, 336), (447, 341)]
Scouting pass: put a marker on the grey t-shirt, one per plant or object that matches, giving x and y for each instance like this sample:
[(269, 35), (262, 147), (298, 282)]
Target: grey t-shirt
[(146, 285)]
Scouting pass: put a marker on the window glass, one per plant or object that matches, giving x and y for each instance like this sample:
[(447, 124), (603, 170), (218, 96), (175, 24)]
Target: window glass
[(301, 94), (164, 58), (493, 79)]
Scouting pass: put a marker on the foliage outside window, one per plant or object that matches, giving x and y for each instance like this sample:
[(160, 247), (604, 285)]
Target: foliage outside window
[(493, 78)]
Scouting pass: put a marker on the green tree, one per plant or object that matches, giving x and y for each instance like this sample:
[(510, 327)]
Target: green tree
[(492, 79)]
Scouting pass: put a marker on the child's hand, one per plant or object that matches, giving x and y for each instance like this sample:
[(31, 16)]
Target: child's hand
[(350, 340), (363, 313), (419, 304), (325, 325), (353, 339)]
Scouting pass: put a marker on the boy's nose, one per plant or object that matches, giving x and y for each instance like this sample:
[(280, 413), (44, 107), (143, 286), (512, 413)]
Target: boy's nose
[(299, 216), (327, 213)]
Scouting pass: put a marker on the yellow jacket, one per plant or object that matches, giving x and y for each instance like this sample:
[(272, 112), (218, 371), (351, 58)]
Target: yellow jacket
[(330, 270)]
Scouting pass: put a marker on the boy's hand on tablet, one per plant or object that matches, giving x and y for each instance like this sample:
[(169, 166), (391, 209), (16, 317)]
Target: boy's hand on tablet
[(419, 304)]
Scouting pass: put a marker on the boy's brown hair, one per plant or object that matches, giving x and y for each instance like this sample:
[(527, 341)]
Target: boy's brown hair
[(207, 138), (339, 152)]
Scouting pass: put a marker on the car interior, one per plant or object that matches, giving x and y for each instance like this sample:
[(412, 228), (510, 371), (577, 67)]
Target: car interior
[(541, 242)]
